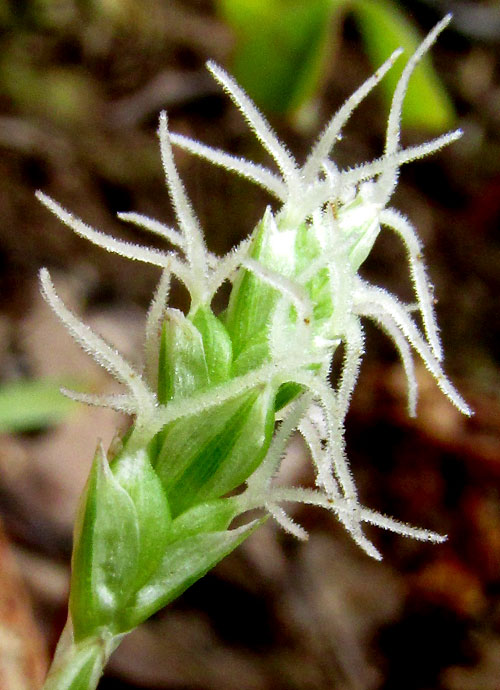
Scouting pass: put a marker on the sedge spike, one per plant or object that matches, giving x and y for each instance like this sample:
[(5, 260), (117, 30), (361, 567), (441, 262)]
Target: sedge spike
[(220, 396)]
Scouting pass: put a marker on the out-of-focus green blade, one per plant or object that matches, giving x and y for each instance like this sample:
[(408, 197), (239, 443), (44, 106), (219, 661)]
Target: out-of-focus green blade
[(280, 50), (384, 28), (28, 405)]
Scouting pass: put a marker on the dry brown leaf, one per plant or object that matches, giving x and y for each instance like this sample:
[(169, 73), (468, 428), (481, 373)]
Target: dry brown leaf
[(23, 662)]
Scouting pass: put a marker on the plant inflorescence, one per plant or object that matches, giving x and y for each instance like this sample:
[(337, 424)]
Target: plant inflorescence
[(220, 395)]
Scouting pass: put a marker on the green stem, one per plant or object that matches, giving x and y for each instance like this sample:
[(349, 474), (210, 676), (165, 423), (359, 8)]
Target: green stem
[(79, 665)]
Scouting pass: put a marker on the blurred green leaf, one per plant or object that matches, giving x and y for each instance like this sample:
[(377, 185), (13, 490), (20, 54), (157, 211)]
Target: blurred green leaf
[(281, 48), (66, 95), (29, 405), (384, 28)]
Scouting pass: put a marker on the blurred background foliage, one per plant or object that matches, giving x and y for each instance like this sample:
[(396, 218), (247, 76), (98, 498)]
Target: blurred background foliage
[(32, 405), (81, 85), (283, 48)]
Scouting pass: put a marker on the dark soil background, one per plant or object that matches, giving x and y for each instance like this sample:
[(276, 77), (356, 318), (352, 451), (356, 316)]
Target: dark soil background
[(81, 85)]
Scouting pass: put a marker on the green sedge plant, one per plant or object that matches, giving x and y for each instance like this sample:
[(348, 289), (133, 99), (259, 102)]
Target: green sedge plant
[(221, 394)]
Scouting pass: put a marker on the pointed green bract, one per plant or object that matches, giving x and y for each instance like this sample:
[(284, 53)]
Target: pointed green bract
[(205, 456), (184, 562), (217, 345), (182, 367), (307, 250), (135, 474), (252, 300), (256, 352), (105, 558), (209, 516)]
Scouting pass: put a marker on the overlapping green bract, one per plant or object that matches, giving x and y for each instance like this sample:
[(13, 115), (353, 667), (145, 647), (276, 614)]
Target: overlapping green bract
[(153, 521)]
